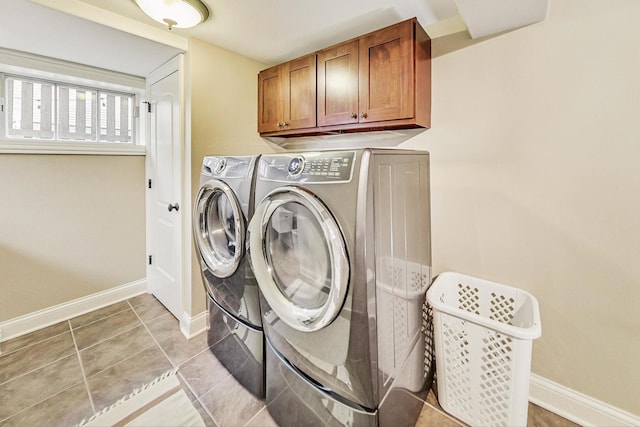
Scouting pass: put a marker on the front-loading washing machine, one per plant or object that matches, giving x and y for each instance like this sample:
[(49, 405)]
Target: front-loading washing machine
[(340, 246), (223, 207)]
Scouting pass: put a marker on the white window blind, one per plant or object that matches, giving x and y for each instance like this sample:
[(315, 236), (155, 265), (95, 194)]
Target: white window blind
[(42, 110), (116, 112), (76, 114), (30, 112)]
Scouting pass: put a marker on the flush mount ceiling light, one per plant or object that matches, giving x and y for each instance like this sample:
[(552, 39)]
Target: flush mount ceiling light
[(175, 13)]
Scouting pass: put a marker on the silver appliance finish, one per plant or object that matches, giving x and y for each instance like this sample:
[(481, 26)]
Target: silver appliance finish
[(340, 246), (223, 207)]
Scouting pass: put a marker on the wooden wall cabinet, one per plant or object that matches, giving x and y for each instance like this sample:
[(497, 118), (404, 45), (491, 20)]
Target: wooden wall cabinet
[(381, 80), (338, 84), (287, 96)]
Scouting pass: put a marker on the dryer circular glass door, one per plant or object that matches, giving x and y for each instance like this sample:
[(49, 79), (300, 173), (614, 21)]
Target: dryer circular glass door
[(219, 227), (299, 258)]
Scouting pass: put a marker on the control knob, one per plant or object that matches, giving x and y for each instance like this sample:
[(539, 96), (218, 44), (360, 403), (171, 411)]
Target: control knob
[(296, 166)]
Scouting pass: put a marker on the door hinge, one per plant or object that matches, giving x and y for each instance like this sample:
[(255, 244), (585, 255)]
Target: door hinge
[(149, 183), (148, 106), (150, 259)]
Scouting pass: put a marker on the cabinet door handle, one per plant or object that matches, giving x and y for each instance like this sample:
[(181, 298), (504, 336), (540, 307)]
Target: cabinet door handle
[(354, 116), (285, 124), (174, 206), (278, 124), (363, 115)]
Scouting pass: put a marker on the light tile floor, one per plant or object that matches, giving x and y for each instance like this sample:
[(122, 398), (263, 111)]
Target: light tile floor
[(66, 372)]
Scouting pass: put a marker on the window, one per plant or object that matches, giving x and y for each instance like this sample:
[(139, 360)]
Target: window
[(46, 110), (51, 106)]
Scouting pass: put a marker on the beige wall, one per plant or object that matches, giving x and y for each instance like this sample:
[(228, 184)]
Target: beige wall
[(535, 144), (70, 226), (534, 184), (224, 117)]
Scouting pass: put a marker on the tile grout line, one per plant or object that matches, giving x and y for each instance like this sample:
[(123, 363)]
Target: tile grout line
[(177, 367), (201, 403), (84, 376), (77, 353), (96, 320), (43, 366), (121, 361), (111, 337), (67, 321), (39, 367), (441, 411), (264, 408), (108, 338), (2, 354), (38, 402), (150, 333), (208, 348)]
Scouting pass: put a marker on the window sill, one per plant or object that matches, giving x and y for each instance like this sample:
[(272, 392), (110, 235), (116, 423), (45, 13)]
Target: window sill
[(103, 148)]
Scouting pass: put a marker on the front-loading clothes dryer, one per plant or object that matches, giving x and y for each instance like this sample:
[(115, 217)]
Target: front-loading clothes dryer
[(223, 207), (340, 246)]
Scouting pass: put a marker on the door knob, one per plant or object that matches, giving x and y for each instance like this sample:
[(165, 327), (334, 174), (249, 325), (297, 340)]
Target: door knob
[(174, 206)]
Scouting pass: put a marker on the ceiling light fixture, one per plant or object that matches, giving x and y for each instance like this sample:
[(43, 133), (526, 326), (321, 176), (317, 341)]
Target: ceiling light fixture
[(175, 13)]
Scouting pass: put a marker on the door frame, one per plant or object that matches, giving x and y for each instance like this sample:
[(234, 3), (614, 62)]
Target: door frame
[(190, 325)]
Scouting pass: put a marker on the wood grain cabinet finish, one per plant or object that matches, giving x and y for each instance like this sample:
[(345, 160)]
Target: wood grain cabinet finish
[(287, 96), (381, 80), (270, 100), (338, 84), (386, 74)]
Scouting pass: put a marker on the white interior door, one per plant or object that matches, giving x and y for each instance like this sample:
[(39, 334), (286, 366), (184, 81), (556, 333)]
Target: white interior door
[(164, 270)]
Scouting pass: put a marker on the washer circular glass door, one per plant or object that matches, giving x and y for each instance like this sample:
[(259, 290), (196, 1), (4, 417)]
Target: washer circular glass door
[(299, 258), (219, 227)]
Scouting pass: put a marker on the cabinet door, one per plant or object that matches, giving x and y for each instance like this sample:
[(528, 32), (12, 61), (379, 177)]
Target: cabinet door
[(300, 93), (387, 74), (270, 100), (338, 84)]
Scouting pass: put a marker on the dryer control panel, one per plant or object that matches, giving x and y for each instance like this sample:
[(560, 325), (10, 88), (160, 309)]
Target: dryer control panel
[(315, 167), (228, 166)]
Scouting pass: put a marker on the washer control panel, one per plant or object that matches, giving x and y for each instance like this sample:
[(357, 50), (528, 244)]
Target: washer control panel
[(330, 166)]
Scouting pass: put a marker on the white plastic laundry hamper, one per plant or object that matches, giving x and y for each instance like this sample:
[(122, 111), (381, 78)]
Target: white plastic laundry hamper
[(483, 337)]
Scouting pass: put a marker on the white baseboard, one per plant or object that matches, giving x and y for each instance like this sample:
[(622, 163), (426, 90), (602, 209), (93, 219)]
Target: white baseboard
[(577, 407), (192, 326), (30, 322)]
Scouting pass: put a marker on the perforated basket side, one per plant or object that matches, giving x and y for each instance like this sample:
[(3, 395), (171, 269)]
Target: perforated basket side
[(453, 365), (483, 360), (508, 310), (483, 376), (429, 348)]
